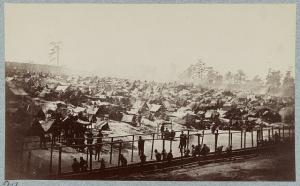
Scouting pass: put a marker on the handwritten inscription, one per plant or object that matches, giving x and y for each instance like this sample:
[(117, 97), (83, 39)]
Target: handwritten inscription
[(7, 183)]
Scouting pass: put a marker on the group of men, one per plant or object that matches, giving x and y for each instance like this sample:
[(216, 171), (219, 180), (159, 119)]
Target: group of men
[(166, 134), (98, 145), (82, 165), (163, 155), (79, 166)]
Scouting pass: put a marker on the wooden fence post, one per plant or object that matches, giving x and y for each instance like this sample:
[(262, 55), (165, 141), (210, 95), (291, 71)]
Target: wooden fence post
[(153, 135), (132, 148), (216, 140), (231, 139), (202, 138), (163, 143), (262, 134), (59, 160), (120, 150), (91, 157), (229, 136), (111, 149), (87, 153), (170, 144), (257, 137), (245, 138), (51, 156), (188, 139), (241, 138), (252, 138)]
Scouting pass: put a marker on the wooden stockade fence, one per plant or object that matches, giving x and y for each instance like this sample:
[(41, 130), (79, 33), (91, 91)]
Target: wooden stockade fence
[(112, 142)]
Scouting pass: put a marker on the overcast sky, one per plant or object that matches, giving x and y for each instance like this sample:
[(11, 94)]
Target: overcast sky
[(153, 41)]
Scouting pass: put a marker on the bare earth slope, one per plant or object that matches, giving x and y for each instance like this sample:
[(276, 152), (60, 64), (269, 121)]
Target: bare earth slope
[(264, 167)]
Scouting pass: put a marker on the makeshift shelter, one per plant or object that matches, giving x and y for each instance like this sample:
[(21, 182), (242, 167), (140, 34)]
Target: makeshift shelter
[(129, 119), (61, 88), (235, 113), (266, 113), (101, 124), (157, 110)]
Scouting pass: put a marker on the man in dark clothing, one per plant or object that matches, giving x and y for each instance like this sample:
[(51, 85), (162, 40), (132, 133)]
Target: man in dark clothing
[(193, 150), (89, 136), (172, 135), (123, 160), (141, 144), (164, 154), (143, 158), (75, 165), (102, 164), (98, 146), (162, 130), (187, 153), (89, 141), (197, 150), (167, 134), (229, 150), (170, 156), (219, 150), (157, 155), (182, 142), (83, 164), (205, 150)]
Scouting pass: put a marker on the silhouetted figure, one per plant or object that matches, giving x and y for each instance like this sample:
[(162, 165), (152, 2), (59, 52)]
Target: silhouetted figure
[(170, 156), (229, 150), (172, 135), (167, 134), (102, 164), (75, 165), (157, 155), (98, 146), (182, 142), (198, 149), (219, 150), (193, 150), (143, 158), (187, 153), (89, 141), (141, 144), (162, 130), (205, 150), (83, 164), (164, 154), (123, 160)]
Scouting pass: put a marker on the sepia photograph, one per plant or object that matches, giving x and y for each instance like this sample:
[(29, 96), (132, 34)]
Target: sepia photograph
[(150, 92)]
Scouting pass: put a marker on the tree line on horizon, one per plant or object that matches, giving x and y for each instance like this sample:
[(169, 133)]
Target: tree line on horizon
[(274, 83)]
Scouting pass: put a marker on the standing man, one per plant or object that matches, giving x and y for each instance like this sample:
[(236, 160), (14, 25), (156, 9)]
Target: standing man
[(162, 130), (182, 142), (98, 145), (141, 144)]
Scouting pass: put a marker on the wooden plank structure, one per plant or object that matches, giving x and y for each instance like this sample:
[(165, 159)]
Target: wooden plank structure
[(99, 174), (175, 161)]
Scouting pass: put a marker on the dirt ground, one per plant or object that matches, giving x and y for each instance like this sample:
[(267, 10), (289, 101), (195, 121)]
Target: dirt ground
[(263, 167)]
